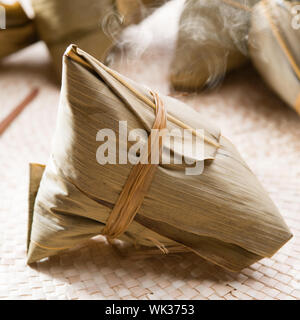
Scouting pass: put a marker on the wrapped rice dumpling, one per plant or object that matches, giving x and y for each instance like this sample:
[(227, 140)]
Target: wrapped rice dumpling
[(134, 11), (212, 39), (19, 30), (274, 47), (88, 23), (223, 215)]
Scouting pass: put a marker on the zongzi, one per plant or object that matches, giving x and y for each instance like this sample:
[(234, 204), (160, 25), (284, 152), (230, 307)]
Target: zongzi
[(91, 24), (274, 47), (212, 39), (19, 30), (223, 215)]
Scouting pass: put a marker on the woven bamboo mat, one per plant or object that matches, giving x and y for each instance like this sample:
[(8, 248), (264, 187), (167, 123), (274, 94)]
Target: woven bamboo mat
[(266, 132)]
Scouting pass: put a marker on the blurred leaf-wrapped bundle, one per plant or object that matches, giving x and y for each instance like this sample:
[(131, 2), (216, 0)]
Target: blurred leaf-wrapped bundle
[(212, 39), (91, 24), (223, 215), (274, 45), (18, 30)]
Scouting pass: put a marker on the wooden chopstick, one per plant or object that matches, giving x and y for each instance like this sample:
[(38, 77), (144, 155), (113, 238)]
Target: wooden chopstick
[(4, 124)]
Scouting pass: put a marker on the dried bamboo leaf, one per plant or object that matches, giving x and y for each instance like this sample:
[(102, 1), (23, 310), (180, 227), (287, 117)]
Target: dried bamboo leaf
[(224, 215), (20, 31), (211, 41), (274, 48)]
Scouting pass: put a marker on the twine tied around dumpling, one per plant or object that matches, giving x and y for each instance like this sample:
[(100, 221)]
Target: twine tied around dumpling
[(139, 180)]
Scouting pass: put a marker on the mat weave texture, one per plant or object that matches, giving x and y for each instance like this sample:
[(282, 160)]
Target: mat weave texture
[(265, 131)]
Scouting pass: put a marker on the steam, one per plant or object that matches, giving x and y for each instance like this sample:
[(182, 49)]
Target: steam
[(214, 22), (183, 28), (111, 25), (157, 30)]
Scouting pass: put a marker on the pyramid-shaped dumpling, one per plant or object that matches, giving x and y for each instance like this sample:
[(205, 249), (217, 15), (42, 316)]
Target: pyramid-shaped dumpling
[(224, 214)]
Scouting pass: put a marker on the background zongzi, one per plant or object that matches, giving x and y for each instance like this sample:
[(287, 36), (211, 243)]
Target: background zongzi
[(212, 39), (275, 48), (20, 31), (90, 24)]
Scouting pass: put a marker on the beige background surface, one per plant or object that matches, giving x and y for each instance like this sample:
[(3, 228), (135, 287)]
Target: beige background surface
[(265, 130)]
